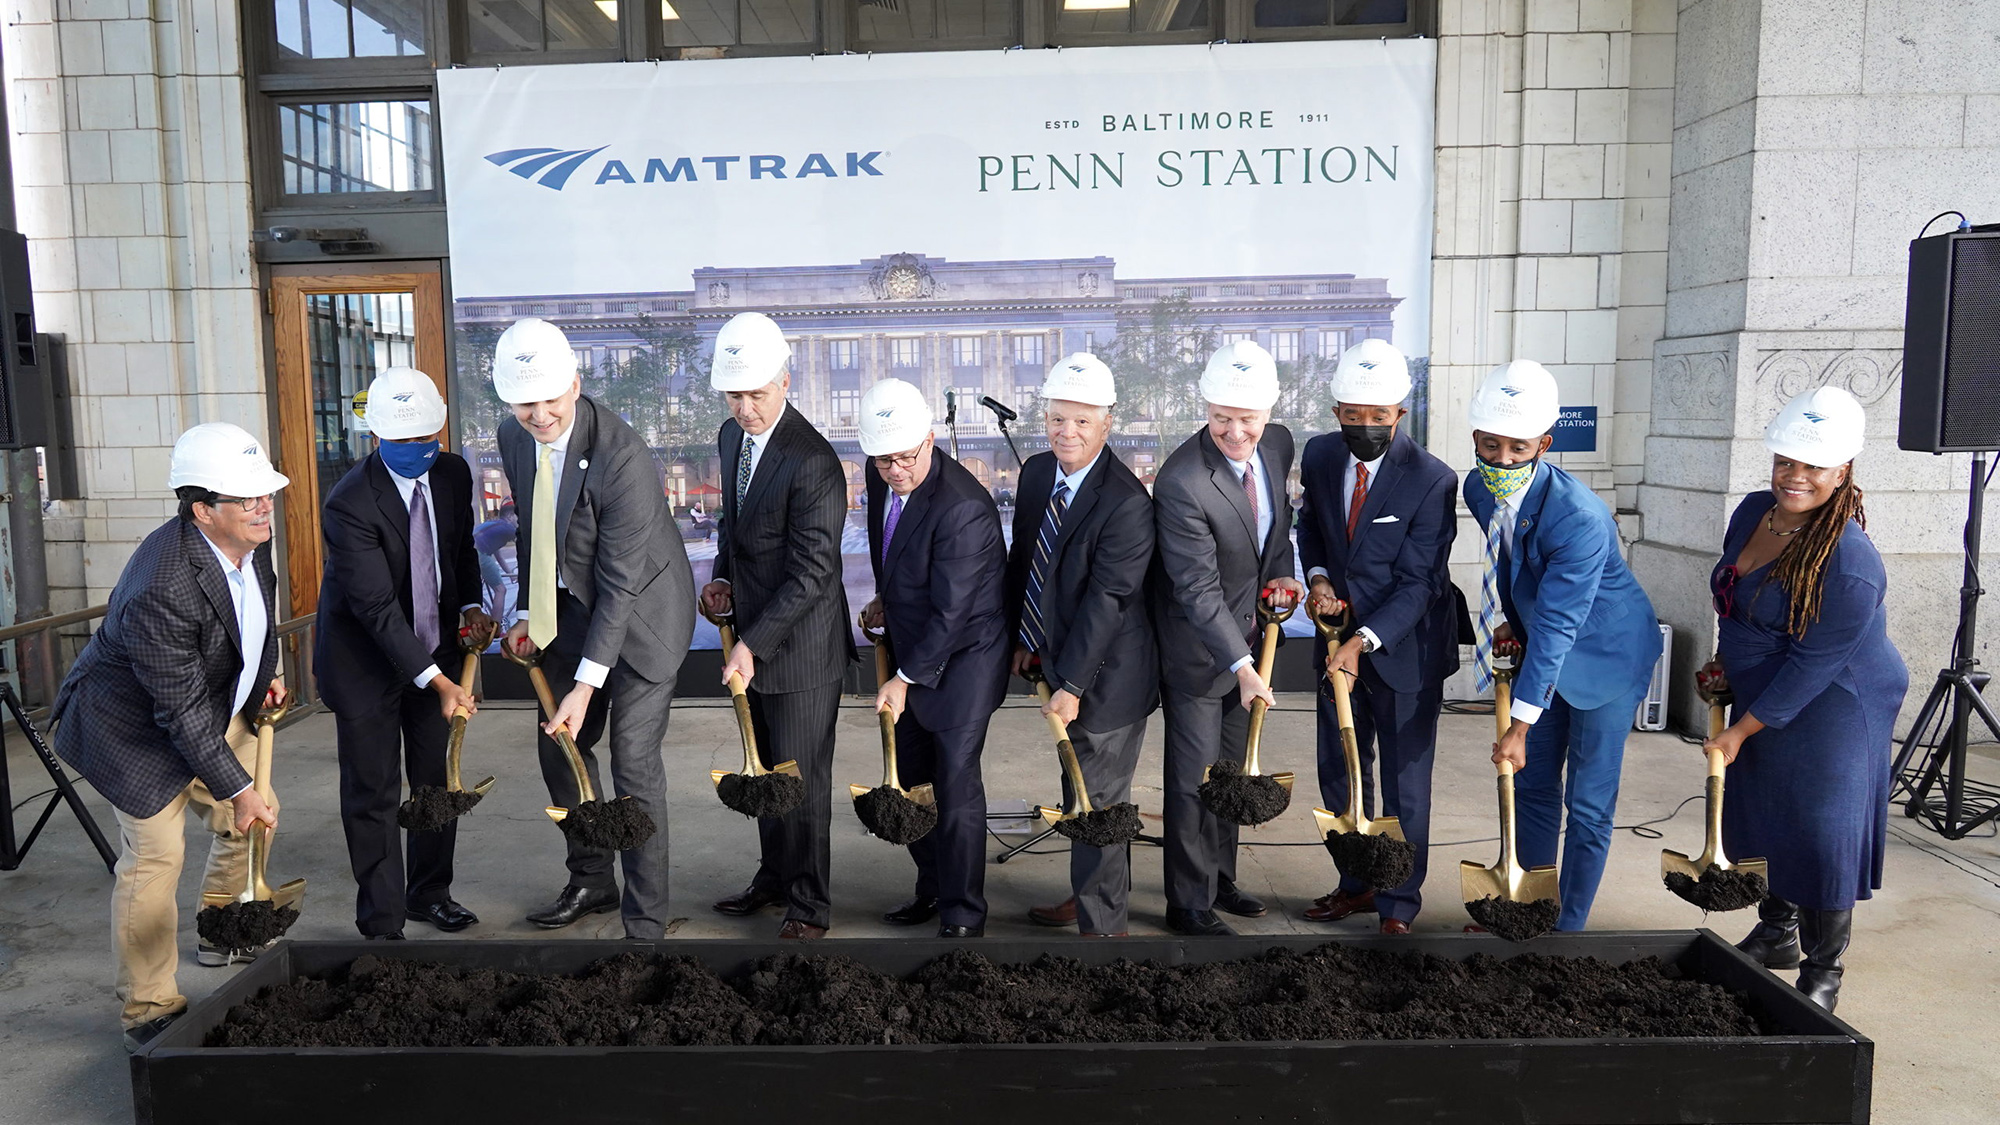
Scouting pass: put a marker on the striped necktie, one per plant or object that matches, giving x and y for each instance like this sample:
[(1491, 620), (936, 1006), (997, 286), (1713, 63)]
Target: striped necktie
[(1490, 611), (1032, 633), (743, 471)]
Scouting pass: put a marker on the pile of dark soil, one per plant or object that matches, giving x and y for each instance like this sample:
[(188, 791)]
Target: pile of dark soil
[(244, 925), (1103, 828), (1381, 862), (618, 825), (1242, 798), (767, 794), (431, 807), (1515, 921), (1332, 992), (891, 816), (1720, 889)]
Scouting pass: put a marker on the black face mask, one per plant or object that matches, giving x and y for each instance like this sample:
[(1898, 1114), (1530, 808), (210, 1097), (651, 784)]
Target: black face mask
[(1367, 442)]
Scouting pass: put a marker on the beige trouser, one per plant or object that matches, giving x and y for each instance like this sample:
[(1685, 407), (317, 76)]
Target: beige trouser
[(145, 919)]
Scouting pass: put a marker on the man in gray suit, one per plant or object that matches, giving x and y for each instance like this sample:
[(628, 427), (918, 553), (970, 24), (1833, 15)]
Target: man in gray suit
[(778, 573), (155, 712), (606, 590), (1223, 521)]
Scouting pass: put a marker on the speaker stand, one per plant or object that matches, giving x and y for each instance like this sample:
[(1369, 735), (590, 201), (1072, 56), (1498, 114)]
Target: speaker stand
[(11, 853), (1964, 806)]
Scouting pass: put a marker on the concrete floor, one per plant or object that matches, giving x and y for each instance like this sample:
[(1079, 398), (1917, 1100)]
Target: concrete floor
[(1923, 977)]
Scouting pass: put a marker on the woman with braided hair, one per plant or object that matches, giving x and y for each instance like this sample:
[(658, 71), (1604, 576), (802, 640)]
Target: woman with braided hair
[(1804, 648)]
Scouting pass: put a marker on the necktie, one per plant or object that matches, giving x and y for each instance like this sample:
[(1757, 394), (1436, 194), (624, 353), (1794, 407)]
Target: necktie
[(1032, 633), (1359, 498), (542, 554), (889, 522), (423, 571), (1250, 494), (1490, 612), (743, 471)]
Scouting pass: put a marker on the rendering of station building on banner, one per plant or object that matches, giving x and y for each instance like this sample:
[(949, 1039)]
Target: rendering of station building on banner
[(977, 330)]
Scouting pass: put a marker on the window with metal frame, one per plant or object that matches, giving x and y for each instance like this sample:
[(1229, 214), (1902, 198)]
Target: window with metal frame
[(356, 146)]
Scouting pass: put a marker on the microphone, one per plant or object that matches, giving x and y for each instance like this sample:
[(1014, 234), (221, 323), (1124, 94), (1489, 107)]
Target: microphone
[(950, 408), (1005, 412)]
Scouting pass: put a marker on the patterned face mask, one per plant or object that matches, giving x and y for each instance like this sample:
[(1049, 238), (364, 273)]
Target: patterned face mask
[(1504, 481)]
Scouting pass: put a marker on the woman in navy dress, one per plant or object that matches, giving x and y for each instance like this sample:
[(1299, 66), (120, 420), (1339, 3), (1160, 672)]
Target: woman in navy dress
[(1805, 650)]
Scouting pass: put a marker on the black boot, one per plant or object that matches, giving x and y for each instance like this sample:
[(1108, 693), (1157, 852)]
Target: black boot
[(1824, 933), (1775, 941)]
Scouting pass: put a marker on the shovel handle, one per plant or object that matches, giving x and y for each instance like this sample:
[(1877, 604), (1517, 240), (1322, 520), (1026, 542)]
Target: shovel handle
[(746, 732), (1503, 701), (586, 792), (1066, 751)]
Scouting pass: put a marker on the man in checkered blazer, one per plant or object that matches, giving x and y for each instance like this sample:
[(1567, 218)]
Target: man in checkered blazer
[(156, 711)]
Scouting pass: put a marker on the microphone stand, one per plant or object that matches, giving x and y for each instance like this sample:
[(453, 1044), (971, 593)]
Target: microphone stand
[(951, 419), (1004, 414)]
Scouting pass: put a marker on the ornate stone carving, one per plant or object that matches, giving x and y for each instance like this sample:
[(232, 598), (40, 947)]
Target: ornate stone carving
[(1696, 384), (718, 292), (903, 277), (1086, 283), (1869, 374)]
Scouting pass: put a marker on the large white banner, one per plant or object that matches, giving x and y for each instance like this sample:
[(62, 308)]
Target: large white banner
[(961, 220)]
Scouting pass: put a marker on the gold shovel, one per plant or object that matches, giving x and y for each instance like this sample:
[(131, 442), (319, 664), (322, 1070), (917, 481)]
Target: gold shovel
[(1267, 658), (1506, 879), (467, 677), (1672, 862), (922, 794), (752, 765), (293, 894), (585, 791), (1072, 769), (1354, 819)]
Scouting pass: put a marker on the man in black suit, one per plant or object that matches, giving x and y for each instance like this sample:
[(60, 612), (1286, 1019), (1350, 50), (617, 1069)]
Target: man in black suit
[(934, 541), (1375, 531), (156, 712), (1076, 589), (607, 592), (400, 572), (778, 574), (1223, 520)]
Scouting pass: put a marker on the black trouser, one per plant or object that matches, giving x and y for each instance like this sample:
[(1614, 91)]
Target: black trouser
[(1200, 846), (379, 742), (1400, 731), (951, 858), (796, 854)]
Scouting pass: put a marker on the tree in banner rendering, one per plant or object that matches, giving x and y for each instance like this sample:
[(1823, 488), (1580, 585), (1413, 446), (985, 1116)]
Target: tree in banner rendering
[(661, 388), (479, 409), (1157, 358)]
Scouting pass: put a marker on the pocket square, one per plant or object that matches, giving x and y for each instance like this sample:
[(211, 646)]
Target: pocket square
[(1383, 519)]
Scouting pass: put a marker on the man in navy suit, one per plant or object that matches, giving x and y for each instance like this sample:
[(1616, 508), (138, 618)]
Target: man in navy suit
[(934, 542), (1555, 581), (400, 573), (1375, 534)]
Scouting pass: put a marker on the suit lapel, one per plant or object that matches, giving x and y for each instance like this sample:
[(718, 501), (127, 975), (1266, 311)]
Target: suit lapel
[(916, 507), (1386, 472), (768, 462), (388, 500), (1223, 475), (576, 462), (208, 575), (1079, 505), (1271, 483), (1526, 521), (732, 452)]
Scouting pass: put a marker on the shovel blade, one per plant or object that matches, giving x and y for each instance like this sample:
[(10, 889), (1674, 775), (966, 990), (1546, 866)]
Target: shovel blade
[(1385, 826), (1284, 780), (791, 768), (1330, 823), (481, 788), (555, 814), (1673, 862), (923, 795), (1538, 883), (218, 898), (1477, 881), (859, 791), (714, 776), (1050, 816), (1758, 867), (292, 895)]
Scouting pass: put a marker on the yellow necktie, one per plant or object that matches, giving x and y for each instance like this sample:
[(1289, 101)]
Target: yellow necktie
[(542, 555)]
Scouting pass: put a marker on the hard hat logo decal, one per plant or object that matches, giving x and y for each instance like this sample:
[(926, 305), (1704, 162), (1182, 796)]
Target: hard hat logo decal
[(253, 451), (1814, 418), (733, 349), (1510, 392), (889, 413), (549, 167), (524, 357), (1366, 365), (1240, 366), (405, 397)]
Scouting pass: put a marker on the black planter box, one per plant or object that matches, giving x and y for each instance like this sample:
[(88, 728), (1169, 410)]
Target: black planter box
[(1815, 1070)]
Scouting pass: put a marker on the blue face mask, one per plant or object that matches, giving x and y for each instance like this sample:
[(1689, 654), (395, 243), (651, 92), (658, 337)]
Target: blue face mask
[(410, 459)]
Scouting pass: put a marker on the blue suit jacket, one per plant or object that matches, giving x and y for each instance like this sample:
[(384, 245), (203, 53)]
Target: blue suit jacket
[(1395, 571), (941, 593), (1590, 632)]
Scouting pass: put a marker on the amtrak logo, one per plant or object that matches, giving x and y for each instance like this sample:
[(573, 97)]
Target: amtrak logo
[(1815, 419), (404, 397), (734, 349), (1366, 365), (549, 167), (524, 357), (889, 413), (253, 451), (1510, 392), (1241, 366)]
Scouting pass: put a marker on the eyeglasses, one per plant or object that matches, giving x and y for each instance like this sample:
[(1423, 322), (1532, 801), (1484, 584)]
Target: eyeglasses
[(246, 503), (899, 461), (1722, 585)]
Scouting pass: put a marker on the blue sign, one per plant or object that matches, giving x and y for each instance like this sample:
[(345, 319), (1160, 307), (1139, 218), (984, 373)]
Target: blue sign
[(1576, 430)]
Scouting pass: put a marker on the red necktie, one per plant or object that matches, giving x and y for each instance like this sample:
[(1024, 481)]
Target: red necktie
[(1360, 497)]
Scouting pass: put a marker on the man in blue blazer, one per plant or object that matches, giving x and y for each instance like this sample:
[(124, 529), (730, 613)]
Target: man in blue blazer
[(935, 546), (1375, 534), (1554, 580)]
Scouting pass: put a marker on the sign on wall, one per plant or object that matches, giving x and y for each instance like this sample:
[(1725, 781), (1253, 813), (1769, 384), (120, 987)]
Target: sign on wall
[(960, 220)]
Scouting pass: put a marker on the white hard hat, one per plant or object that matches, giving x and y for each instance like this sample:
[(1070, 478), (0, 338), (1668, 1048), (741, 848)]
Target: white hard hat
[(1372, 373), (894, 418), (1822, 427), (750, 352), (403, 403), (1516, 400), (1080, 377), (533, 362), (223, 458), (1242, 375)]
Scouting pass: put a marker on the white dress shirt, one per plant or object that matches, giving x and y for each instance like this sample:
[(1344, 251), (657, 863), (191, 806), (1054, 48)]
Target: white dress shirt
[(407, 487), (253, 624), (1346, 500), (1508, 512), (1264, 518)]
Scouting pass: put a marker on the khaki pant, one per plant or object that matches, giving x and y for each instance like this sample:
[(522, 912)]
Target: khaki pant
[(145, 919)]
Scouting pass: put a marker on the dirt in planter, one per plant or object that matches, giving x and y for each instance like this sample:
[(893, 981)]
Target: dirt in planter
[(1380, 862), (1103, 828), (890, 814), (1720, 889), (619, 825), (1242, 798), (1515, 921), (244, 925), (767, 794), (432, 807), (1335, 991)]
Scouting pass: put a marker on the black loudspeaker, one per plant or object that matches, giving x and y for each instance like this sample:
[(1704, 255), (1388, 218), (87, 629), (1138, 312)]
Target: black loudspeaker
[(20, 362), (1951, 344)]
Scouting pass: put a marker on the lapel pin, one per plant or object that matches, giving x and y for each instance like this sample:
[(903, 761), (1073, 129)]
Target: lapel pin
[(585, 464), (1525, 523)]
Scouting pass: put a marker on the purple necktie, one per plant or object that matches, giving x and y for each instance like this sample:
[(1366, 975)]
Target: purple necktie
[(423, 571), (889, 522)]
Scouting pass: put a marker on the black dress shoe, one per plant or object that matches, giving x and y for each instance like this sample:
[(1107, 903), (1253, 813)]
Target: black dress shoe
[(447, 916), (1197, 923), (915, 912), (397, 936), (752, 899), (138, 1037), (961, 931), (574, 903), (1230, 900)]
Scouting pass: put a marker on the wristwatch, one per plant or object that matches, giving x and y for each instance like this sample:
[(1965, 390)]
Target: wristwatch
[(1368, 644)]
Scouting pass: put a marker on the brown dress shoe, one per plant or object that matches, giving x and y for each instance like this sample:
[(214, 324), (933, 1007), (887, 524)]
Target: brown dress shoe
[(796, 930), (1395, 926), (748, 901), (1061, 914), (1334, 906)]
